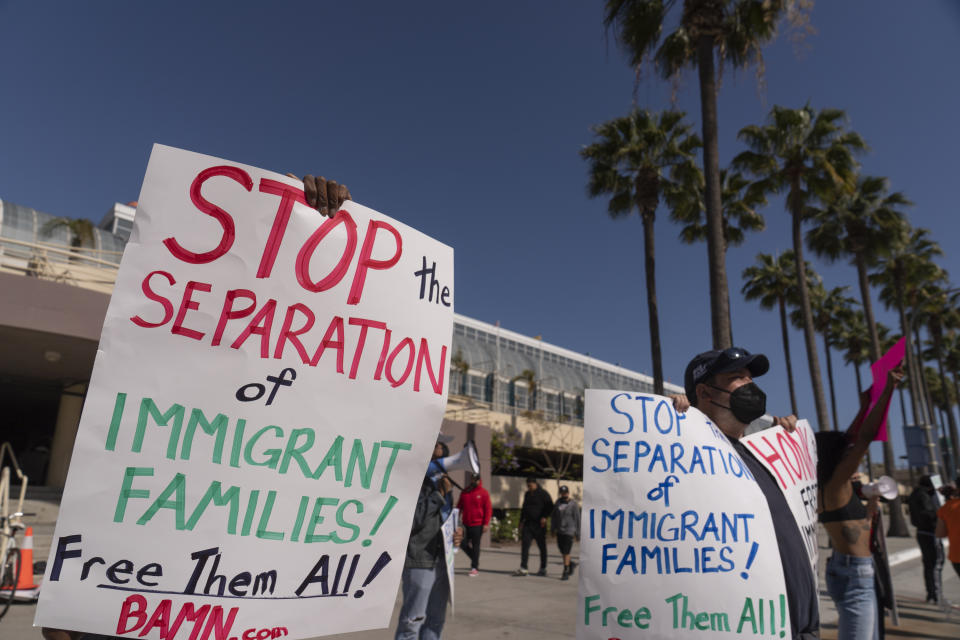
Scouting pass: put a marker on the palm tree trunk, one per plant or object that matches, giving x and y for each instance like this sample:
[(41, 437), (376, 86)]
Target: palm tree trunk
[(911, 365), (927, 396), (833, 395), (716, 261), (903, 405), (889, 461), (786, 353), (729, 317), (650, 270), (856, 371), (816, 379), (867, 306)]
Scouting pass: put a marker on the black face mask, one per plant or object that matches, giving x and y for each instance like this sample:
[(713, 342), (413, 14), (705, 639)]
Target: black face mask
[(747, 402)]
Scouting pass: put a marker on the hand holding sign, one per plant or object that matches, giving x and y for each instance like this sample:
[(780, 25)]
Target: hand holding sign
[(887, 363), (326, 196)]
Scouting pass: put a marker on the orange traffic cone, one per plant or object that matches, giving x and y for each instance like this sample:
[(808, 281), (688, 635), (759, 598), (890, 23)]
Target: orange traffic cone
[(26, 562)]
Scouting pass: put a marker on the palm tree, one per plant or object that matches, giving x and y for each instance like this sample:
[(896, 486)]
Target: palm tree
[(528, 376), (855, 342), (633, 162), (771, 281), (830, 308), (860, 225), (808, 155), (734, 29), (905, 276), (950, 346), (739, 206), (905, 270), (460, 364), (81, 232)]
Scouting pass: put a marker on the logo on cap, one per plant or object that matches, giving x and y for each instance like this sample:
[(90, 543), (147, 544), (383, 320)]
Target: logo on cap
[(699, 370)]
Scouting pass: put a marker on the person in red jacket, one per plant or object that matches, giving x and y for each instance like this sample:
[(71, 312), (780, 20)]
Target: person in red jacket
[(475, 512)]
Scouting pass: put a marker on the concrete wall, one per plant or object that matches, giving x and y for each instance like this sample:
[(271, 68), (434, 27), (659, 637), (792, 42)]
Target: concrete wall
[(51, 307)]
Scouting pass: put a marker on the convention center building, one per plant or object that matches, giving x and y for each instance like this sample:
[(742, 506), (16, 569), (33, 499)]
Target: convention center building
[(519, 398)]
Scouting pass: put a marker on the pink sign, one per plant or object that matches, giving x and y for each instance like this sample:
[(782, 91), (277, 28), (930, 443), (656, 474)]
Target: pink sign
[(887, 362)]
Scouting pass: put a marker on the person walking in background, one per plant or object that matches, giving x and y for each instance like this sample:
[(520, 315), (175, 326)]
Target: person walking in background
[(537, 505), (566, 524), (923, 515), (475, 511), (948, 525)]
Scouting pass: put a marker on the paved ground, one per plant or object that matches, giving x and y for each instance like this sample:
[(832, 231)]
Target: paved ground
[(496, 605)]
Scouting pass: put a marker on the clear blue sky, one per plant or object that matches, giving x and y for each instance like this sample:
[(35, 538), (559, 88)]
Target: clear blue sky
[(464, 120)]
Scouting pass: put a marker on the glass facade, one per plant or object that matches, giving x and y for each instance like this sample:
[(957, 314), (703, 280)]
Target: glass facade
[(29, 225), (500, 364), (122, 228)]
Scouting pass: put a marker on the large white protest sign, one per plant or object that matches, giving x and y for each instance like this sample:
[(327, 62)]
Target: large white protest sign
[(791, 459), (676, 537), (265, 399)]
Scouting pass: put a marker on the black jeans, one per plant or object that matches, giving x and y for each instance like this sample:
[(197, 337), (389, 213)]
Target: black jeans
[(931, 550), (533, 532), (471, 545)]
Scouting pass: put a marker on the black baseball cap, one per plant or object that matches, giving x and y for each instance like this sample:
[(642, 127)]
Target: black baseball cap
[(710, 363), (564, 489)]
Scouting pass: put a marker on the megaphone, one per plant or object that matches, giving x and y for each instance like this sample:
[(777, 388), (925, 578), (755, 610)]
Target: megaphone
[(466, 459), (885, 487)]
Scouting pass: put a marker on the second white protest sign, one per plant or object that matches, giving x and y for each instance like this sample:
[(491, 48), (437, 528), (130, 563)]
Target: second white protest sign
[(676, 537)]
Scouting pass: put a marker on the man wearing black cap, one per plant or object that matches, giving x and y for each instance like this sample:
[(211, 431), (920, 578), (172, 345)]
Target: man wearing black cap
[(720, 384), (566, 524)]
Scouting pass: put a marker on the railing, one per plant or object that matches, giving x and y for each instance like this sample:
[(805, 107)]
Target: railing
[(464, 407), (77, 266)]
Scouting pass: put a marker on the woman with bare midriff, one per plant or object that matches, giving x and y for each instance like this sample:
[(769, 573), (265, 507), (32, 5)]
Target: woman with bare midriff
[(850, 569)]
